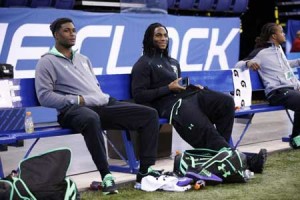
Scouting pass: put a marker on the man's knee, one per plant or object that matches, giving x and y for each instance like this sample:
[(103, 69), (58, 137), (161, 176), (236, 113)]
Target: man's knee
[(150, 112), (86, 117), (91, 118), (229, 101)]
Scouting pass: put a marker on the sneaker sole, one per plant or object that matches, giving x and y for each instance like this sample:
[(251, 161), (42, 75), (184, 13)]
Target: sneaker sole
[(262, 154), (137, 186), (111, 192)]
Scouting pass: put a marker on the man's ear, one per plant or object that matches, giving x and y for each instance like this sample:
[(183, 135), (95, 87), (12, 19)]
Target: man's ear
[(55, 35)]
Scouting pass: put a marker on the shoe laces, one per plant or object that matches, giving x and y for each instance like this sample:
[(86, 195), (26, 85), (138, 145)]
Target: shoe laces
[(153, 172), (108, 180)]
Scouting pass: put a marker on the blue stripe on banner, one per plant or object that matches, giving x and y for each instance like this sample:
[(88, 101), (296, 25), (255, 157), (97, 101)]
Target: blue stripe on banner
[(19, 119), (12, 119), (113, 42)]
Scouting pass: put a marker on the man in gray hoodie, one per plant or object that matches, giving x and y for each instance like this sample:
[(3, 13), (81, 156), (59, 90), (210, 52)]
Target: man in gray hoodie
[(65, 80), (282, 87)]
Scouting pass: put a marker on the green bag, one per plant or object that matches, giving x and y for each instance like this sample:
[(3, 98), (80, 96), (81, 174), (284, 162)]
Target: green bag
[(227, 165), (41, 177)]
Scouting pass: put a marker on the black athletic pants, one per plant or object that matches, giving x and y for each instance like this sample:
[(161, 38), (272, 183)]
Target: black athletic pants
[(91, 121), (205, 119), (289, 98)]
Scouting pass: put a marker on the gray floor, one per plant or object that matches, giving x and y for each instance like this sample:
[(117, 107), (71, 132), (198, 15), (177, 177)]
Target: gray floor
[(265, 132)]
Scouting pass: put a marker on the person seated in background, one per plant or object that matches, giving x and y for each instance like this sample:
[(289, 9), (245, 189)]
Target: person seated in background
[(65, 80), (296, 43), (281, 85), (202, 117)]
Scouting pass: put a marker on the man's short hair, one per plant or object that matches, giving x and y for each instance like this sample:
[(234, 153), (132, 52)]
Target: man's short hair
[(56, 24)]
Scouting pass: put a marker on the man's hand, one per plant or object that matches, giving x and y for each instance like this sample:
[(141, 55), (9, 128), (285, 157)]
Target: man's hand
[(81, 100), (175, 86), (200, 87), (252, 65)]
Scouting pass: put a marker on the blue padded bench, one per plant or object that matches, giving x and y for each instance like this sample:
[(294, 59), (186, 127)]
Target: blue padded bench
[(118, 86)]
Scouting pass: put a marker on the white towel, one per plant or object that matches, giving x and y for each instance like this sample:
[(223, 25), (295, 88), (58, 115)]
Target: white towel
[(166, 183)]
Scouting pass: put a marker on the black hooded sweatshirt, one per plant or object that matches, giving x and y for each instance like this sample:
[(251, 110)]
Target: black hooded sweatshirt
[(150, 78)]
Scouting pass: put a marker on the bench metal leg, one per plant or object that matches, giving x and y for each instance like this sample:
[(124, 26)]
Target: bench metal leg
[(245, 130), (115, 149), (26, 155), (287, 138), (1, 169), (284, 139), (31, 147), (132, 164), (29, 150), (289, 116), (132, 161), (231, 142)]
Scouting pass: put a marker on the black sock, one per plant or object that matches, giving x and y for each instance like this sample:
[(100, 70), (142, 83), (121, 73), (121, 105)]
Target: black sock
[(144, 169), (104, 173)]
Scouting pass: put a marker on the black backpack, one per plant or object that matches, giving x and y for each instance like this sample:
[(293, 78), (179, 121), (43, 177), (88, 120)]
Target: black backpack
[(6, 71), (41, 177), (226, 165)]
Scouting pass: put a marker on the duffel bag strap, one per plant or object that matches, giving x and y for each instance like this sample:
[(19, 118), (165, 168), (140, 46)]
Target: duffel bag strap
[(26, 189)]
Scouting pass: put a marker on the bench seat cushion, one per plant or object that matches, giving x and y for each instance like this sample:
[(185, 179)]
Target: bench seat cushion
[(7, 139), (257, 109), (43, 132)]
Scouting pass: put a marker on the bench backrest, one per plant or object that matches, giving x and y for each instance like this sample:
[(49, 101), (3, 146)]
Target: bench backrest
[(256, 81), (118, 85), (219, 80)]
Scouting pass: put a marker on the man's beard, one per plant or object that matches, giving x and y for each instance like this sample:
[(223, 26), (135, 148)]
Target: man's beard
[(67, 45), (157, 49)]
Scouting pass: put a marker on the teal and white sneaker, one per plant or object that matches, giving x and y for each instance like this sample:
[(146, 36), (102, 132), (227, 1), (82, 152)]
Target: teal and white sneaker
[(108, 185), (295, 142)]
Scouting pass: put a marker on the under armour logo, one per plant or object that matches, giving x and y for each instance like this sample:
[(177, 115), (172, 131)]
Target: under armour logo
[(175, 69), (226, 173), (191, 126), (159, 66), (222, 168)]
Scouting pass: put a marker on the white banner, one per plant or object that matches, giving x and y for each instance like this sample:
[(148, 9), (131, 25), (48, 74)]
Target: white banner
[(242, 87)]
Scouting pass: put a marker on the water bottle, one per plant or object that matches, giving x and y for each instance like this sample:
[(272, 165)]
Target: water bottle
[(29, 126)]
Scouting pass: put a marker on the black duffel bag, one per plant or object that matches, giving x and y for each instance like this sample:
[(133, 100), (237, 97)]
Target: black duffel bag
[(6, 71)]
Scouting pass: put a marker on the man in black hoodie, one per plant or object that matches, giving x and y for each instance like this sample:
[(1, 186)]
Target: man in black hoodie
[(65, 80), (202, 117)]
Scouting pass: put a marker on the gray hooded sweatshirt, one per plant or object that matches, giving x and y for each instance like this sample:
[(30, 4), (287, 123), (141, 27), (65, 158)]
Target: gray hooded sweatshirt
[(275, 70), (59, 81)]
